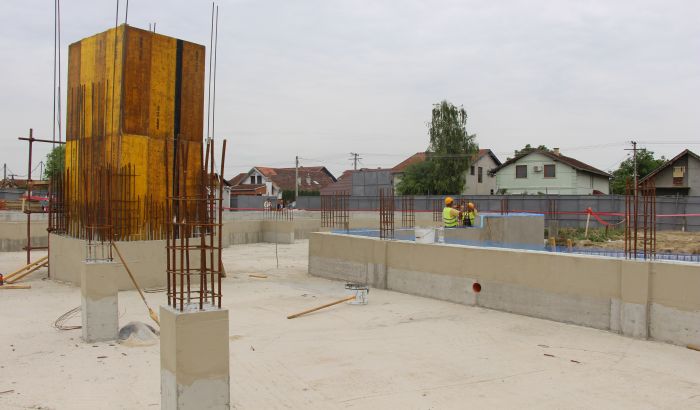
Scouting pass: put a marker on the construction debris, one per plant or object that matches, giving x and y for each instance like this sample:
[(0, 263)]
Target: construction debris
[(138, 334)]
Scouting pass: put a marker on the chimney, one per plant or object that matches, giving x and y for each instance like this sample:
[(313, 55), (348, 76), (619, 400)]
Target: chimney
[(556, 151)]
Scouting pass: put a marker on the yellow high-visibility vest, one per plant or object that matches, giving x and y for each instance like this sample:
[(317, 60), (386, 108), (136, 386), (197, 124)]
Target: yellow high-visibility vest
[(448, 221), (472, 217)]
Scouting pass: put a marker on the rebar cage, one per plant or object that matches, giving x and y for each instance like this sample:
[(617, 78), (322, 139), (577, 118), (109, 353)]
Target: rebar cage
[(386, 213), (193, 234), (335, 210), (640, 245)]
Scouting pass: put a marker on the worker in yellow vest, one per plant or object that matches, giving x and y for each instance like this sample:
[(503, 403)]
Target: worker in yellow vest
[(470, 215), (450, 215)]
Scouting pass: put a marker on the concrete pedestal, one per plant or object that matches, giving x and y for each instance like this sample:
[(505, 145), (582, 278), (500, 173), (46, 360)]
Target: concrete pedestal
[(194, 359), (100, 312)]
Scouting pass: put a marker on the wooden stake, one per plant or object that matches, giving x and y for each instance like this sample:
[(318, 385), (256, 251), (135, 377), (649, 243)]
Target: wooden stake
[(254, 275), (151, 312), (347, 299)]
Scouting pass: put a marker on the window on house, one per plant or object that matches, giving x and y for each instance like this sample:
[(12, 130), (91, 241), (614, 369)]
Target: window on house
[(521, 171), (550, 171), (480, 177), (259, 179), (471, 170), (252, 179)]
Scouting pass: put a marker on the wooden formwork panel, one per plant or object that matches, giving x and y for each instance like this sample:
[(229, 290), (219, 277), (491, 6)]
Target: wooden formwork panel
[(116, 123)]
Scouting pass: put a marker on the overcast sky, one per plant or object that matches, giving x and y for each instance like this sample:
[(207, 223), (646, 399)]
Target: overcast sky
[(325, 78)]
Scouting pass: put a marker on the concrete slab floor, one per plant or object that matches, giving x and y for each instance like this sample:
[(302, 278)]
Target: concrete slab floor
[(399, 351)]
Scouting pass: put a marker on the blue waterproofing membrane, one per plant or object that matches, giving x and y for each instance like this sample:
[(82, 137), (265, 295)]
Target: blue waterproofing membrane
[(407, 235)]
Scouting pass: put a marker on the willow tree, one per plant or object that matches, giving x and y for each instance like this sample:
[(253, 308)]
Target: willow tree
[(451, 147)]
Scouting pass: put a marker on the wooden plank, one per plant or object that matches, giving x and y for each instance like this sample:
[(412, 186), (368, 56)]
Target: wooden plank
[(15, 287), (28, 266), (137, 81), (14, 279), (347, 299), (73, 81), (192, 103)]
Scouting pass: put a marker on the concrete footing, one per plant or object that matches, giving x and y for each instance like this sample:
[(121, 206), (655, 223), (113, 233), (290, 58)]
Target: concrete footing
[(194, 359), (146, 259), (99, 307)]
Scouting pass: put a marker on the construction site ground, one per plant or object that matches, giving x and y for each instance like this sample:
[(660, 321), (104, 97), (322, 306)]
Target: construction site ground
[(399, 351), (666, 242)]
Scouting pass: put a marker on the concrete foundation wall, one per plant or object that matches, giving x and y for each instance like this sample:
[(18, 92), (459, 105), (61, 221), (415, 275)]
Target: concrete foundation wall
[(146, 259), (659, 300)]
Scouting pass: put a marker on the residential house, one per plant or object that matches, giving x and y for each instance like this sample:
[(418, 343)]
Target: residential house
[(341, 186), (550, 172), (273, 181), (678, 176), (478, 179)]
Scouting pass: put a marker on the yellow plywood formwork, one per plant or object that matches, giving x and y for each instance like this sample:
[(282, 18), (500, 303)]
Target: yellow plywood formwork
[(131, 94)]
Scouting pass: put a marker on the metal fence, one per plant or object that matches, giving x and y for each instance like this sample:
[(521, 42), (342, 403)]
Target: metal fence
[(674, 212)]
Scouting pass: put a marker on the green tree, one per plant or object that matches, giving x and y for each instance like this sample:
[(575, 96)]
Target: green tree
[(448, 156), (418, 179), (55, 162), (645, 164), (451, 147)]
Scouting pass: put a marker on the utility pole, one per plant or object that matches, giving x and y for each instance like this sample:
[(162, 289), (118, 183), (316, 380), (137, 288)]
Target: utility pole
[(296, 177), (634, 155), (635, 174), (355, 158), (4, 172)]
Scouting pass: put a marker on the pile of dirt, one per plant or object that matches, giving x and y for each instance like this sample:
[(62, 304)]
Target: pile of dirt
[(138, 334)]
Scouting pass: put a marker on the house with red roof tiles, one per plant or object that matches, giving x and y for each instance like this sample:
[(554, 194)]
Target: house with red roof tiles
[(273, 181)]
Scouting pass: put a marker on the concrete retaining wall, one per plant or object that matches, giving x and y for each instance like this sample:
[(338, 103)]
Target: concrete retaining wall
[(13, 233), (659, 300)]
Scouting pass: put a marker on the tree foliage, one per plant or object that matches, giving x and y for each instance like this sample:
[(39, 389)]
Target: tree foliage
[(288, 195), (529, 148), (645, 164), (448, 156), (418, 179), (55, 162)]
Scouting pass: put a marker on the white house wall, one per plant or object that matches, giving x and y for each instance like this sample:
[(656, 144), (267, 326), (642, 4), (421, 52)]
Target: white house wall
[(564, 183), (472, 185)]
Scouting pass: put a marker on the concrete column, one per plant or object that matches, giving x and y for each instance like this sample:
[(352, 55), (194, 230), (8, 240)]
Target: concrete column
[(100, 312), (194, 359)]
